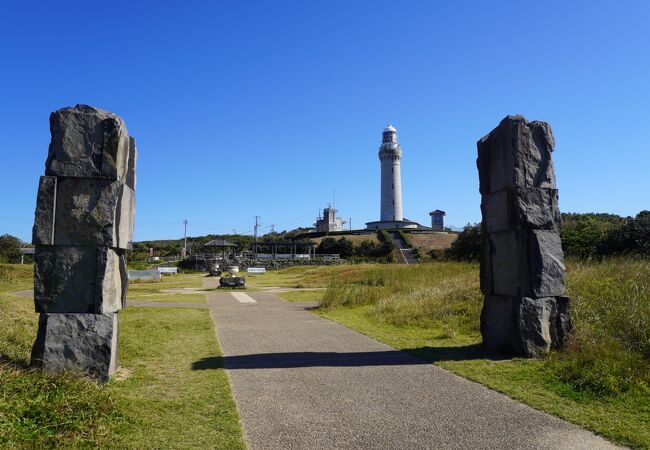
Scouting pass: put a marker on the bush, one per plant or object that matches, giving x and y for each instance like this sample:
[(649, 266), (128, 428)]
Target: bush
[(368, 250), (10, 248), (468, 245), (330, 245)]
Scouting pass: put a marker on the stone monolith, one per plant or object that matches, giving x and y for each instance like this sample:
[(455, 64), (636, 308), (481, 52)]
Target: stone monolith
[(522, 263), (85, 209)]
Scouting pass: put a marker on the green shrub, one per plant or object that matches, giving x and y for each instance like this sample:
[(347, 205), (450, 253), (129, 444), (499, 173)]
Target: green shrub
[(10, 248), (330, 245), (468, 245)]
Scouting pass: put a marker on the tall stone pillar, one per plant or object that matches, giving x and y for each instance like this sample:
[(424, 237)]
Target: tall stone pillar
[(83, 225), (522, 263), (390, 155)]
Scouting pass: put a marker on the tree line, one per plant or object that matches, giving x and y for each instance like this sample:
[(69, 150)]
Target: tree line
[(583, 236)]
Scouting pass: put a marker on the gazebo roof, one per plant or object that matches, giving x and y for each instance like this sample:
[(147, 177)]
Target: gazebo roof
[(220, 243)]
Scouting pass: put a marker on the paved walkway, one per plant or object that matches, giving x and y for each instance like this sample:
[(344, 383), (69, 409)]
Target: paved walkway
[(301, 381)]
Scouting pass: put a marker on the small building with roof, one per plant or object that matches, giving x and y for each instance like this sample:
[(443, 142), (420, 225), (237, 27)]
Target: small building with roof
[(219, 245)]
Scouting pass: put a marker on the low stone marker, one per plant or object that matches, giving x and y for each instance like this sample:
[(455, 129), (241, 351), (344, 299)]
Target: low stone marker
[(522, 263), (83, 225)]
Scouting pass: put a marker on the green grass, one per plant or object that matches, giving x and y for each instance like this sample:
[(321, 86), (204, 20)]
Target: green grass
[(157, 399), (168, 298), (301, 296), (305, 276), (600, 381), (174, 394)]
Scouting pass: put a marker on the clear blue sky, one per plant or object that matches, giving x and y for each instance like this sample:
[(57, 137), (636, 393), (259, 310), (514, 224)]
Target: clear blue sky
[(263, 108)]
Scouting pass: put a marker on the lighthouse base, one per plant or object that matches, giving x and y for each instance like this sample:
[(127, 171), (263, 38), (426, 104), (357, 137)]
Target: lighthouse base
[(392, 225)]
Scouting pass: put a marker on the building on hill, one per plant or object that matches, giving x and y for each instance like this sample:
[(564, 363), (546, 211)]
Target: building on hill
[(390, 156), (437, 220), (329, 222)]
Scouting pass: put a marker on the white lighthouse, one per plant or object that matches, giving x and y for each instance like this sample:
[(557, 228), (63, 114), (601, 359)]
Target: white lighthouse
[(390, 156)]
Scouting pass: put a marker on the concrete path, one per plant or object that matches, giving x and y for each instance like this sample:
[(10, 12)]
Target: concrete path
[(301, 381)]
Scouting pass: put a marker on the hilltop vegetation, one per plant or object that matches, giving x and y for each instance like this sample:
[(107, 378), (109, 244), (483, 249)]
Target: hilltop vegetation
[(583, 236)]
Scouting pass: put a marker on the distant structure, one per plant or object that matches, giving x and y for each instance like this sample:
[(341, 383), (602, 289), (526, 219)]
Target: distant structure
[(437, 220), (390, 156), (329, 222)]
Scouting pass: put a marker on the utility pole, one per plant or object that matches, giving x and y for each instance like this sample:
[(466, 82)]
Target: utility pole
[(185, 238), (257, 224), (272, 227), (350, 223)]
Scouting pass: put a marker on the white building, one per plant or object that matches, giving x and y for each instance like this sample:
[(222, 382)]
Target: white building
[(390, 157), (329, 221)]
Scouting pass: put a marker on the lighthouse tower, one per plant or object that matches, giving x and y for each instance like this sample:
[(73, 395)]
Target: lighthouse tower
[(390, 155)]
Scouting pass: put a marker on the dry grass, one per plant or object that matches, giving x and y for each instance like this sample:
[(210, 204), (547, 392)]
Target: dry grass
[(435, 241), (354, 238)]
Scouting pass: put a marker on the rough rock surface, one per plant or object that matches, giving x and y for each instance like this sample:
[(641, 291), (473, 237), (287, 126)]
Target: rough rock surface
[(522, 263), (85, 211), (133, 158), (88, 142), (524, 325), (517, 153), (546, 261), (85, 343), (43, 230), (79, 279), (525, 208)]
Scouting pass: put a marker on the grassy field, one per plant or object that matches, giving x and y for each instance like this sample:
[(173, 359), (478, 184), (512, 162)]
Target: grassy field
[(601, 381), (301, 296), (152, 291), (169, 391), (307, 276)]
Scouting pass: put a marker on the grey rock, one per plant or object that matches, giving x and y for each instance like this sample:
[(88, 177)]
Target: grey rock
[(535, 208), (232, 282), (496, 212), (546, 262), (508, 263), (133, 158), (517, 153), (88, 142), (521, 208), (69, 279), (86, 212), (43, 230), (497, 324), (84, 343), (524, 325), (525, 263), (487, 285), (561, 326), (532, 325), (125, 219)]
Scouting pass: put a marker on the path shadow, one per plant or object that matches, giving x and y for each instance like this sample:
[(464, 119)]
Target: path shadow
[(307, 359), (456, 353), (414, 356)]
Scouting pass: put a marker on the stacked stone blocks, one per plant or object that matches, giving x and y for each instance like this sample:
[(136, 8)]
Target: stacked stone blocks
[(83, 226), (522, 265)]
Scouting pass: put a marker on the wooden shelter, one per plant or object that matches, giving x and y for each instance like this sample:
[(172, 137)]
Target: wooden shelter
[(216, 245)]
